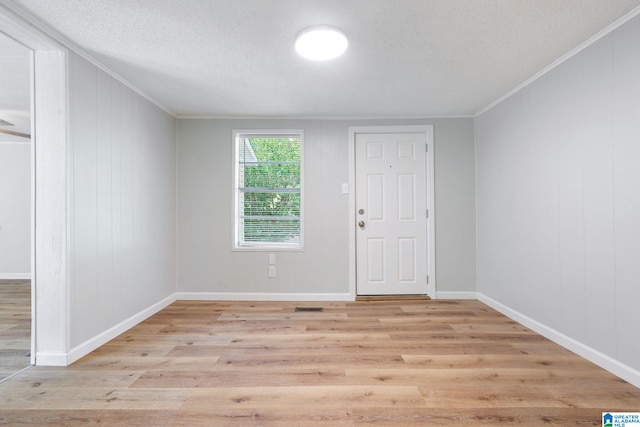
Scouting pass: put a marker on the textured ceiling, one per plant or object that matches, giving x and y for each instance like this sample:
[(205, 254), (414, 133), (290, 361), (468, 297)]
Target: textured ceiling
[(14, 88), (405, 58)]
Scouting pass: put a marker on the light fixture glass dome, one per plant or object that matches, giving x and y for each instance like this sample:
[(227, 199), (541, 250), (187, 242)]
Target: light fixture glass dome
[(321, 43)]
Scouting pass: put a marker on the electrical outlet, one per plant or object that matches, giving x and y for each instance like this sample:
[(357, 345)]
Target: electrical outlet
[(272, 271)]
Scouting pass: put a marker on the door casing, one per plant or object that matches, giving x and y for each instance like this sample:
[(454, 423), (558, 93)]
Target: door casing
[(429, 136)]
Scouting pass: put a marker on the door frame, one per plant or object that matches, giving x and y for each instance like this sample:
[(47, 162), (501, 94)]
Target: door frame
[(427, 130), (50, 288)]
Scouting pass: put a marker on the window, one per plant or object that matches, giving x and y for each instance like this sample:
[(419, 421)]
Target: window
[(268, 189)]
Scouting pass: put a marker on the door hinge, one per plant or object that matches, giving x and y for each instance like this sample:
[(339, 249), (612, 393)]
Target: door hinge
[(427, 213), (426, 148), (427, 279)]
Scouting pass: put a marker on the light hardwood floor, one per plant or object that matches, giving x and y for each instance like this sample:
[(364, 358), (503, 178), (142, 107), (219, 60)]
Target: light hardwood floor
[(15, 326), (383, 363)]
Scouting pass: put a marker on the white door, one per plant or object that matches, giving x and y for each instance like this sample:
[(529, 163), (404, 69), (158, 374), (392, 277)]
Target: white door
[(391, 214)]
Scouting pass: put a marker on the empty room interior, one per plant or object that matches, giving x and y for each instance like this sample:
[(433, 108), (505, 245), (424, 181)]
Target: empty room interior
[(202, 223)]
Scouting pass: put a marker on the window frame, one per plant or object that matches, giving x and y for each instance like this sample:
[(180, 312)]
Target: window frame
[(236, 245)]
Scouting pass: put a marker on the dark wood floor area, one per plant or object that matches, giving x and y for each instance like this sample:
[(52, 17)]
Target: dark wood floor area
[(383, 363), (15, 326)]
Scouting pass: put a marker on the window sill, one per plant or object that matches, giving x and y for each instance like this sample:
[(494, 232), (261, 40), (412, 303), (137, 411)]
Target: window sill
[(265, 249)]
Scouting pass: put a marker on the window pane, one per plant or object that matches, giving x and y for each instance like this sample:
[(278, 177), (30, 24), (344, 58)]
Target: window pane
[(272, 230), (270, 204), (272, 175), (271, 149), (269, 189)]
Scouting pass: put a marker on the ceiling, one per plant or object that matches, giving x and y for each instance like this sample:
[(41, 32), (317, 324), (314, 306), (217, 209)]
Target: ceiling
[(406, 58), (14, 89)]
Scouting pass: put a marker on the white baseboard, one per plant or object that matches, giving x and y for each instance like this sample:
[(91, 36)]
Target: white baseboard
[(254, 296), (64, 359), (606, 362), (456, 295), (15, 276)]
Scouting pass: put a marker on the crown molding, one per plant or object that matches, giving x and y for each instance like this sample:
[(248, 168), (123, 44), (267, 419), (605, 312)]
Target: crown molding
[(320, 117)]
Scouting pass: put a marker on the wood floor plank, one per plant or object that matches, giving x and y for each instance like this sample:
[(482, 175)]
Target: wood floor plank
[(471, 361), (294, 317), (224, 377), (311, 361), (540, 348), (238, 328), (295, 340), (115, 362), (168, 339), (286, 398), (84, 417), (457, 337), (94, 398)]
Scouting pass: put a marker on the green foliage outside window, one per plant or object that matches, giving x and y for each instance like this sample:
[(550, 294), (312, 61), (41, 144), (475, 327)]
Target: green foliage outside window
[(270, 195)]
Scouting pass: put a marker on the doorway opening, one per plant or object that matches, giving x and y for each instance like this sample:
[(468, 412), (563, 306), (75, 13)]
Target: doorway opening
[(15, 208)]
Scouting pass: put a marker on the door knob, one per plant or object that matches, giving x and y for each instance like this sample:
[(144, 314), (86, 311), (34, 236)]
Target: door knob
[(361, 224)]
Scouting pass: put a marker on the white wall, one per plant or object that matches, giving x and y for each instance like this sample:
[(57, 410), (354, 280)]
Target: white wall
[(558, 195), (206, 262), (15, 210), (121, 204), (455, 207)]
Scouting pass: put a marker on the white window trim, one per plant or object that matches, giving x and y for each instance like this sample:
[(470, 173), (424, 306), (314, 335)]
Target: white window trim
[(259, 246)]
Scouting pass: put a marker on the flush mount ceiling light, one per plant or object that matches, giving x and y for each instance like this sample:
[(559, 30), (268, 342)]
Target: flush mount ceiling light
[(321, 43)]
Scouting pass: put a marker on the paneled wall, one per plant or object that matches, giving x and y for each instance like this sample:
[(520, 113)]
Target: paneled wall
[(15, 210), (122, 202), (206, 262), (558, 198)]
